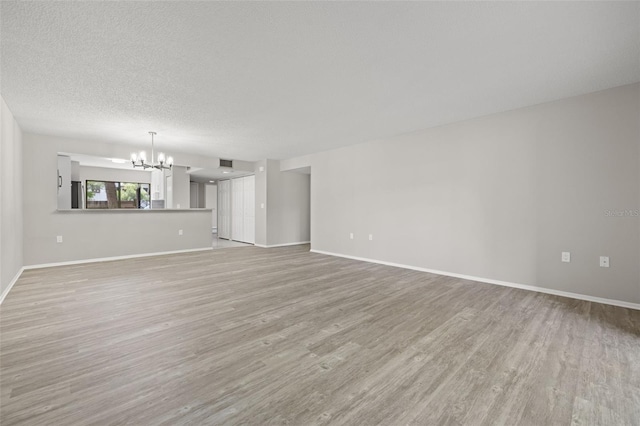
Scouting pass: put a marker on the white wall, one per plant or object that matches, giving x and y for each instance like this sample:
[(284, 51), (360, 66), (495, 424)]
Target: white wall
[(181, 188), (499, 197), (11, 195), (113, 175), (88, 235)]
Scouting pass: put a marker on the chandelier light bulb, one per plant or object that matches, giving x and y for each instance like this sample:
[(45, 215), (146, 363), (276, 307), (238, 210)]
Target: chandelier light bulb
[(160, 162)]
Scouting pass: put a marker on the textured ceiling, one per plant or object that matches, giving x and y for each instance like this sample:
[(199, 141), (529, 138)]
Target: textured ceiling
[(253, 80)]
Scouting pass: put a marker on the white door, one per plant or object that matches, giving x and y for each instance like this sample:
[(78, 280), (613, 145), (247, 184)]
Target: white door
[(237, 209), (249, 219), (64, 182), (224, 209)]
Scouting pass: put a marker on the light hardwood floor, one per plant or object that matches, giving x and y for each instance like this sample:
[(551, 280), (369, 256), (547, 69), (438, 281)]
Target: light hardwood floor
[(283, 336)]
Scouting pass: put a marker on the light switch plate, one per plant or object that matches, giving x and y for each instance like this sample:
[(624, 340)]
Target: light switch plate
[(566, 256), (351, 236), (59, 238), (370, 237), (604, 261), (179, 231)]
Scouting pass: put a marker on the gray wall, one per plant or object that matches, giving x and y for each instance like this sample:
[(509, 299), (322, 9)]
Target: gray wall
[(285, 219), (197, 195), (288, 206), (75, 171), (89, 235), (11, 197), (211, 202), (499, 197), (261, 202), (100, 234)]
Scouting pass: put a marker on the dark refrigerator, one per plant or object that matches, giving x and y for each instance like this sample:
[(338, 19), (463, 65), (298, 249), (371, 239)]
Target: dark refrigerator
[(76, 195)]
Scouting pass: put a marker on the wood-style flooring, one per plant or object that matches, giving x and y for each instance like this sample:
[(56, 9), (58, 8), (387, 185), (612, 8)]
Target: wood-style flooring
[(283, 336)]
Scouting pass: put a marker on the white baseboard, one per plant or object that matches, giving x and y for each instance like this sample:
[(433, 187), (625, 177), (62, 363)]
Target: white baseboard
[(13, 281), (602, 300), (109, 259), (282, 245)]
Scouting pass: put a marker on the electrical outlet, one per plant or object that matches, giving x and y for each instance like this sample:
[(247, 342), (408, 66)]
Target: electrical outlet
[(604, 261), (351, 236), (262, 205), (370, 237), (179, 231), (566, 256), (59, 238), (178, 206)]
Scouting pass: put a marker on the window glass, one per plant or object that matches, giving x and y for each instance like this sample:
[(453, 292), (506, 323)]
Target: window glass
[(117, 195)]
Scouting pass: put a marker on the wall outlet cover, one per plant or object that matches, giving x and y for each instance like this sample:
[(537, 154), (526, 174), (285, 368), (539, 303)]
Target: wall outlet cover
[(604, 261), (59, 238), (566, 256), (179, 231)]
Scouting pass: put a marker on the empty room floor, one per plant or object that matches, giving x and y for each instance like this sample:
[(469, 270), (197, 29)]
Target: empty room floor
[(284, 336), (224, 243)]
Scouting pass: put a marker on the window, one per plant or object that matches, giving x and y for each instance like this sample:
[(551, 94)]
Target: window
[(117, 195)]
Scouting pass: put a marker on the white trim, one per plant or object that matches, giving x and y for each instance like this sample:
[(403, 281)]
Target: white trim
[(602, 300), (13, 281), (283, 245), (109, 259)]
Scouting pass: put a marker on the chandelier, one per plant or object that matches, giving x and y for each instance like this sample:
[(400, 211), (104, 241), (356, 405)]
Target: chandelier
[(140, 160)]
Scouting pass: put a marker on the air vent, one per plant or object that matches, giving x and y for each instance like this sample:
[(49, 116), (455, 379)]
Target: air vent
[(226, 163)]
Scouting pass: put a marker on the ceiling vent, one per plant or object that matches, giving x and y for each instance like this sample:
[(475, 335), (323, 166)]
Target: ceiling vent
[(226, 163)]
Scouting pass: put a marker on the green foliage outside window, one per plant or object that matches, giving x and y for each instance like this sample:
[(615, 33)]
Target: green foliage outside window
[(113, 195)]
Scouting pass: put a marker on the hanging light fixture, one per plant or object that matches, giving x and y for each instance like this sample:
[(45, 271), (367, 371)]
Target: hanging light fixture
[(140, 160)]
